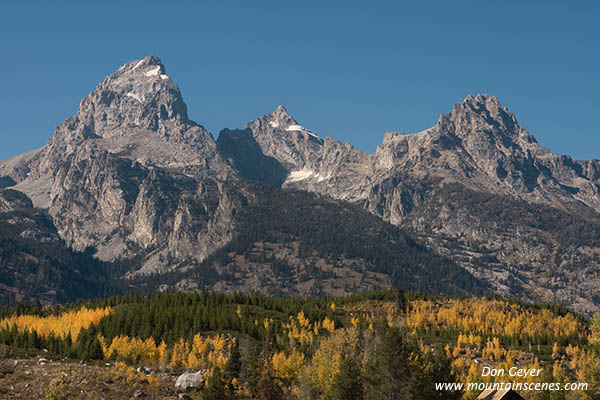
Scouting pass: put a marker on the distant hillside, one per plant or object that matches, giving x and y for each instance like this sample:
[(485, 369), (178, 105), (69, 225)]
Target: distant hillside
[(295, 242), (36, 263)]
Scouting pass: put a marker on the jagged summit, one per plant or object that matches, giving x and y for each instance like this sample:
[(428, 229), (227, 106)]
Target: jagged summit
[(281, 118), (480, 114), (281, 124), (141, 66), (139, 94), (136, 113)]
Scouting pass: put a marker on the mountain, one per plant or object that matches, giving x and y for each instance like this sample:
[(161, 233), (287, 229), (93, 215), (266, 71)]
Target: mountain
[(308, 161), (476, 187), (132, 184), (36, 263), (131, 176), (472, 205), (291, 242)]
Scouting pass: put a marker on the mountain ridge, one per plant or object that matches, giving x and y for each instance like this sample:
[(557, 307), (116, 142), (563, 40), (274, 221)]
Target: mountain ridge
[(480, 148), (132, 177)]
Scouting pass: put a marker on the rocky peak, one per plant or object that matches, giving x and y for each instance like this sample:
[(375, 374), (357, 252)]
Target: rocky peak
[(280, 118), (138, 95), (480, 114), (138, 113)]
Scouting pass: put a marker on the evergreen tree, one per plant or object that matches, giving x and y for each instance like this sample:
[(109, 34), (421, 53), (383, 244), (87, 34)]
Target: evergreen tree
[(215, 387), (400, 300), (390, 371), (348, 383), (234, 365), (435, 367), (95, 349), (33, 340), (251, 368)]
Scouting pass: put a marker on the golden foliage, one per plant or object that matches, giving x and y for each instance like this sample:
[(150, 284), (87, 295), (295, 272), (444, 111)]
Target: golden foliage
[(299, 330), (325, 366), (492, 317), (60, 325), (286, 367), (132, 349), (588, 370), (201, 352), (328, 324)]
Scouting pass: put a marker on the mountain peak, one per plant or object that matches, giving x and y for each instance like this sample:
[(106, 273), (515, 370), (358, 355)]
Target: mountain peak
[(148, 66), (282, 118), (480, 104), (139, 94), (482, 113), (481, 98)]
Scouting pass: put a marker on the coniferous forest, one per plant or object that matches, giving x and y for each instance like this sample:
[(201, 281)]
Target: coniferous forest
[(371, 345)]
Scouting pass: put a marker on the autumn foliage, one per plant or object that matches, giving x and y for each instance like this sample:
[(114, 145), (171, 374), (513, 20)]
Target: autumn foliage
[(70, 322), (362, 346)]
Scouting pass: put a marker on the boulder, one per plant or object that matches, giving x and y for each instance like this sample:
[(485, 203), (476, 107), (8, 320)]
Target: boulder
[(190, 380)]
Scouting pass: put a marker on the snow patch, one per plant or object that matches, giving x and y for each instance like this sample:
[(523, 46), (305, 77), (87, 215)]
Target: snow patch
[(321, 178), (135, 96), (138, 64), (163, 76), (300, 175), (153, 72), (274, 124), (305, 173), (295, 128), (300, 128)]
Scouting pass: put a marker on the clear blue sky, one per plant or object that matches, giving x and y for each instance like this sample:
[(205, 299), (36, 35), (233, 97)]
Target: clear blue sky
[(347, 69)]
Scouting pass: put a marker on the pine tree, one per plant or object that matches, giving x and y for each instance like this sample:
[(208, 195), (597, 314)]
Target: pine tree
[(95, 350), (390, 371), (400, 300), (251, 367), (348, 383), (215, 387), (234, 365), (33, 340), (435, 367)]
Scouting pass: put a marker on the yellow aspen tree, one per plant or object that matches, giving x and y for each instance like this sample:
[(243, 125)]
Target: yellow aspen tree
[(163, 354), (329, 325)]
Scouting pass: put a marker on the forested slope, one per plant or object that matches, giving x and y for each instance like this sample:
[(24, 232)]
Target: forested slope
[(295, 242), (366, 345)]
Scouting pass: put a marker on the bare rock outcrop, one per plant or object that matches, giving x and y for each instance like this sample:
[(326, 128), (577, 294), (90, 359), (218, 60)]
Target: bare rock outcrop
[(476, 187), (132, 176)]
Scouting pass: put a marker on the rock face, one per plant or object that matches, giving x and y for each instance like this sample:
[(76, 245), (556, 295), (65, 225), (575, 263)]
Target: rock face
[(431, 182), (132, 177), (481, 145), (308, 162), (138, 113), (512, 206), (132, 180), (241, 149), (35, 262)]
